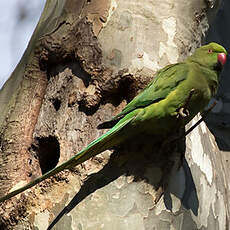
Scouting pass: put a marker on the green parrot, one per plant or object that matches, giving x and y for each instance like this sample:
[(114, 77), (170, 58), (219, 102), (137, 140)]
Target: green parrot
[(177, 93)]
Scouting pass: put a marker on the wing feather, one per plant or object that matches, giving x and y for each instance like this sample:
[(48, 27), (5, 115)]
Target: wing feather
[(166, 80)]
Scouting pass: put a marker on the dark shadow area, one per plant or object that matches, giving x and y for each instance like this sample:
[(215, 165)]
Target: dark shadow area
[(96, 181), (136, 166), (189, 199), (124, 89), (48, 152), (73, 64), (120, 87), (219, 125), (190, 190), (219, 121), (79, 72), (85, 107), (56, 103)]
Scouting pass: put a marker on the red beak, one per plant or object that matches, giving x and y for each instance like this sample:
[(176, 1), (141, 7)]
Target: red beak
[(222, 58)]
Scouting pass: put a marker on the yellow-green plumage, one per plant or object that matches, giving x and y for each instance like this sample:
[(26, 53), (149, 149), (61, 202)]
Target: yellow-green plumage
[(155, 110)]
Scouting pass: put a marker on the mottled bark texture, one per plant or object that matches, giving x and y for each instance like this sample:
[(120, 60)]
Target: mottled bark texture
[(85, 61)]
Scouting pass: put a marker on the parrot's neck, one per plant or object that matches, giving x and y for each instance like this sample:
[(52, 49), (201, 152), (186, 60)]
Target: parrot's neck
[(212, 67), (211, 76)]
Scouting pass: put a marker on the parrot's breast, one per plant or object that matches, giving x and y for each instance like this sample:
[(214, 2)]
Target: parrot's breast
[(191, 95)]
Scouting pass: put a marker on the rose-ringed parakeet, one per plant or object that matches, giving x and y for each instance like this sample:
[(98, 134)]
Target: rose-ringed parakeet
[(158, 107)]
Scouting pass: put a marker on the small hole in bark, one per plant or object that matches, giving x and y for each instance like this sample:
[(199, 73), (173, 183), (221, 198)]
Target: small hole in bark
[(125, 90), (48, 150), (79, 72), (56, 103), (74, 66), (87, 108)]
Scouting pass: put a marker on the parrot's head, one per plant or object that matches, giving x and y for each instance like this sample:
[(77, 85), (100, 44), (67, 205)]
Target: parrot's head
[(213, 56)]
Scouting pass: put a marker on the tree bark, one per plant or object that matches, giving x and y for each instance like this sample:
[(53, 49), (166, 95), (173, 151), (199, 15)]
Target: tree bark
[(85, 61)]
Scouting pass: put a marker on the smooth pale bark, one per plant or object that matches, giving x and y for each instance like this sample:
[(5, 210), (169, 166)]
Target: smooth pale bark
[(84, 61)]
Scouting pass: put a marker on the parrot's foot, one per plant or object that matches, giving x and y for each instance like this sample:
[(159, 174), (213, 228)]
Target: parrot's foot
[(183, 112)]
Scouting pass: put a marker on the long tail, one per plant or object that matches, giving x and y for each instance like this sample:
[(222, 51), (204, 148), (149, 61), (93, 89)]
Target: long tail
[(106, 141)]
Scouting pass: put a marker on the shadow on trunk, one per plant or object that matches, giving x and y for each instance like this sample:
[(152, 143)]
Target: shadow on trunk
[(126, 160)]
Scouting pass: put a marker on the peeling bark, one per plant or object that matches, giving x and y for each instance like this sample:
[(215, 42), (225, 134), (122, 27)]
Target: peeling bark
[(85, 61)]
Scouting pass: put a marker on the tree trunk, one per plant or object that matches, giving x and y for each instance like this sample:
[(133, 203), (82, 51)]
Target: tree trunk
[(85, 60)]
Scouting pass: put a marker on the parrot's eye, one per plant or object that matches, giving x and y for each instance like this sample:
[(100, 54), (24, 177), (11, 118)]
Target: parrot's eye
[(209, 51)]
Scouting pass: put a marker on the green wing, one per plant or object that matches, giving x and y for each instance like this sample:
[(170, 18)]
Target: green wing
[(166, 80)]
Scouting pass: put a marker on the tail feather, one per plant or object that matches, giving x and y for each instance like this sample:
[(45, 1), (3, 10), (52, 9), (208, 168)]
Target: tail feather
[(106, 141), (107, 124)]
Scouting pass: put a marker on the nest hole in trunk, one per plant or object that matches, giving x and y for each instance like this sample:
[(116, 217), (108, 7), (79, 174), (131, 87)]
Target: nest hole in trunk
[(48, 151)]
